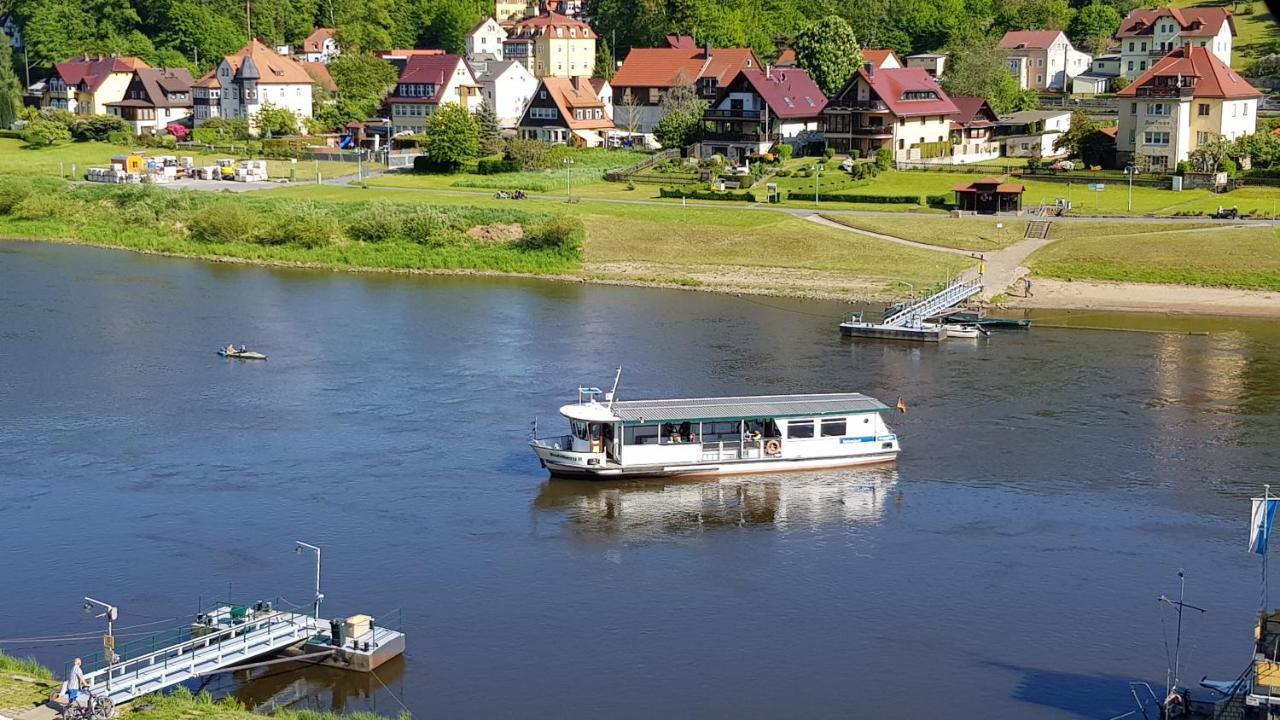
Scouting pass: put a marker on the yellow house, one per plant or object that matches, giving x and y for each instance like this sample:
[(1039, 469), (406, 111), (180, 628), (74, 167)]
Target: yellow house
[(86, 85), (514, 9), (552, 45)]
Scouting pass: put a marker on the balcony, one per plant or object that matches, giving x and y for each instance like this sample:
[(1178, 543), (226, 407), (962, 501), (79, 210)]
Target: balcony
[(861, 130), (731, 114), (1157, 91), (863, 105), (713, 136)]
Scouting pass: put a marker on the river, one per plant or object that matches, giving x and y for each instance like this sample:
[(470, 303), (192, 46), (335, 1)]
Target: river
[(1052, 484)]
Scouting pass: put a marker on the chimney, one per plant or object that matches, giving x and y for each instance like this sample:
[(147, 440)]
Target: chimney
[(768, 72), (870, 68), (707, 51), (577, 82)]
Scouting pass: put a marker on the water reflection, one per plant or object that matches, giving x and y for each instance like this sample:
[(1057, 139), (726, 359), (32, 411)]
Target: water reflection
[(652, 509), (320, 688)]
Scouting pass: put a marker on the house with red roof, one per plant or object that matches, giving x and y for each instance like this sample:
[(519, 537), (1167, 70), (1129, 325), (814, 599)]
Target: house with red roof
[(761, 109), (427, 82), (882, 59), (253, 77), (648, 73), (85, 85), (903, 109), (1043, 59), (1145, 36), (154, 98), (321, 46), (973, 131), (567, 111), (1190, 97)]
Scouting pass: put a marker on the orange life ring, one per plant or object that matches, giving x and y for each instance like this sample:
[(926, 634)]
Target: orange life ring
[(773, 447)]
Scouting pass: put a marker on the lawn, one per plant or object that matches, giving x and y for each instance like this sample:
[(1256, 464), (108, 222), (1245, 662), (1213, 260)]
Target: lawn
[(15, 159), (1216, 256), (976, 234), (23, 683)]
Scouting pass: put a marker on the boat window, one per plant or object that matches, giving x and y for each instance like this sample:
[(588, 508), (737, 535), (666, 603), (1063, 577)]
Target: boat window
[(798, 429), (579, 429), (640, 435), (729, 431), (765, 426), (834, 427), (678, 433)]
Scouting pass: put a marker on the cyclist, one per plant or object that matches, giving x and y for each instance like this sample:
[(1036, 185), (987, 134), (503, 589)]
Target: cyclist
[(75, 681)]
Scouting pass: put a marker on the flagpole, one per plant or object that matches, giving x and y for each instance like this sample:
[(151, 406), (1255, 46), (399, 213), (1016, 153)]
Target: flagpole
[(1266, 504)]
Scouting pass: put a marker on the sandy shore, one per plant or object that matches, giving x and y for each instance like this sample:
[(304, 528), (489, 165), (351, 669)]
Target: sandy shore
[(1141, 297)]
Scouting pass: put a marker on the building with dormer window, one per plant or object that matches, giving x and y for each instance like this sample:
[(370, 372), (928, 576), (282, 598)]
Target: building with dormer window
[(552, 45), (1146, 36), (760, 109), (903, 109), (155, 98), (567, 111), (86, 84), (427, 82), (246, 81)]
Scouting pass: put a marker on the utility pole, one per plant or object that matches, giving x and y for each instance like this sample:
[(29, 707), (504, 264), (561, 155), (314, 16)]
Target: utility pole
[(111, 613)]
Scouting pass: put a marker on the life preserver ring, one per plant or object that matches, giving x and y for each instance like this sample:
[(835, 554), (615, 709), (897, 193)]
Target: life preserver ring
[(1174, 706), (773, 447)]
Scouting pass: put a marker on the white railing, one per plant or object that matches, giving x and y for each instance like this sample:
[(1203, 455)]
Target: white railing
[(914, 314)]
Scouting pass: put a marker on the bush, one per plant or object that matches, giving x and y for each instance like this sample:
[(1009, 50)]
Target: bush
[(428, 225), (529, 154), (785, 152), (937, 201), (494, 166), (224, 222), (562, 233), (377, 223), (1184, 167), (13, 190), (855, 154), (43, 206), (42, 133), (783, 173), (99, 128), (303, 226), (424, 164), (829, 152), (164, 142), (884, 158), (219, 130), (874, 199), (284, 148)]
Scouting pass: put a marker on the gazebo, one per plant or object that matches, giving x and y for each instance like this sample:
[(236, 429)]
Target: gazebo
[(989, 195)]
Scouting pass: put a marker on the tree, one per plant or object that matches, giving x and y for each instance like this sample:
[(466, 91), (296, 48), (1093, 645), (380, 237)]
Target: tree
[(41, 132), (452, 137), (10, 88), (363, 81), (631, 118), (99, 128), (977, 67), (829, 50), (682, 110), (196, 31), (1094, 25), (364, 24), (490, 130), (1209, 156), (1081, 126), (604, 61), (274, 120), (1033, 15)]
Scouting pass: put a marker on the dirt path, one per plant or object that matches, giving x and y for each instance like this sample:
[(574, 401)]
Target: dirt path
[(818, 219), (1141, 297)]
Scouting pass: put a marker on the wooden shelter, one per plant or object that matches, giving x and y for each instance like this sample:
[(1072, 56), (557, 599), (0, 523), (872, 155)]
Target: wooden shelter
[(989, 196)]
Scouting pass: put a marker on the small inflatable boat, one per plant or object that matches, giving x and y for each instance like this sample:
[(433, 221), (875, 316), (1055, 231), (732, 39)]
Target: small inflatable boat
[(241, 355)]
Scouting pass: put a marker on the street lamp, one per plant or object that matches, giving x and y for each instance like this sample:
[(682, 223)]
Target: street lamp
[(316, 550), (568, 194), (817, 169), (110, 612)]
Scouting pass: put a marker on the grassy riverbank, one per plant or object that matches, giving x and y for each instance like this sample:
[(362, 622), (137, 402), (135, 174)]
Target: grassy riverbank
[(23, 683)]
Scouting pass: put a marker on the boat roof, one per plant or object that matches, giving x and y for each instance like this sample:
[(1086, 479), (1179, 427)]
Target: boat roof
[(726, 408)]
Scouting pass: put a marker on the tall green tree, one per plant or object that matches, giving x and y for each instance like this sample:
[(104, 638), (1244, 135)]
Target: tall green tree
[(605, 67), (1081, 127), (1094, 25), (829, 50), (977, 67), (1033, 15), (682, 110), (452, 136), (10, 87), (198, 33), (274, 121), (363, 82), (364, 24)]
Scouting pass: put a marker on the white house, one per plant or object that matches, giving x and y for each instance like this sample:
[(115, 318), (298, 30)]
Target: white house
[(1147, 35), (761, 109), (154, 98), (1187, 99), (429, 81), (253, 77), (1032, 133), (507, 87), (901, 109), (484, 42), (1043, 59), (321, 46)]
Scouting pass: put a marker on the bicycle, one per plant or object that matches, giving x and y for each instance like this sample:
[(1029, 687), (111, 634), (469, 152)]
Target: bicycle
[(95, 707)]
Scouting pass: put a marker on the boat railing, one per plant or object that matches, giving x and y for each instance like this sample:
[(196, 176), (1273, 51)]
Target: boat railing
[(732, 449), (557, 442)]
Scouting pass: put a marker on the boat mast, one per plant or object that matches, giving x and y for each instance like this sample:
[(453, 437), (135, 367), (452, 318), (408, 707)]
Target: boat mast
[(1171, 674), (614, 393)]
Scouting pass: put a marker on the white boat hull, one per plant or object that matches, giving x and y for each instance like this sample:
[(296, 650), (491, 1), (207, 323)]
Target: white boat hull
[(561, 464)]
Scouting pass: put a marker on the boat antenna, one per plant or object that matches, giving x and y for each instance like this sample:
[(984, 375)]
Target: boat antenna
[(1171, 674), (614, 393)]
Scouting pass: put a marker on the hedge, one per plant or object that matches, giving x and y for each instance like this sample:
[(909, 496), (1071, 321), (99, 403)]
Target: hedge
[(885, 199), (494, 166), (937, 200), (704, 194)]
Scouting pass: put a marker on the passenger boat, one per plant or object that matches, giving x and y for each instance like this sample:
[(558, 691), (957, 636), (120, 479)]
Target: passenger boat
[(241, 355), (613, 438)]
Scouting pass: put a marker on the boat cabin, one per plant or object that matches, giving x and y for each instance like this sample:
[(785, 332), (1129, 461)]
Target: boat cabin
[(717, 435)]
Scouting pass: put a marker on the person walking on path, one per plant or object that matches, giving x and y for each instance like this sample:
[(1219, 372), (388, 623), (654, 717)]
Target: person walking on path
[(1026, 287), (75, 681)]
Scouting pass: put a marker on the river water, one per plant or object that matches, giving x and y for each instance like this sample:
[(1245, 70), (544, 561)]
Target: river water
[(1052, 484)]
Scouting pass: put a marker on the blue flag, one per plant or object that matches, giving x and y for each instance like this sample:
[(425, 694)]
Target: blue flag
[(1264, 517)]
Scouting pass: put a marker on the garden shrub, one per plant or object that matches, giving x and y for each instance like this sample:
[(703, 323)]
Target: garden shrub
[(529, 154), (224, 222), (426, 225), (785, 151), (562, 233), (829, 152), (44, 206), (99, 128), (303, 226), (13, 190), (377, 223), (494, 166)]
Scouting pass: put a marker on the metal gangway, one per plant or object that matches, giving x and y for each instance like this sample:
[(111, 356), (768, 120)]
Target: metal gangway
[(914, 314), (223, 637)]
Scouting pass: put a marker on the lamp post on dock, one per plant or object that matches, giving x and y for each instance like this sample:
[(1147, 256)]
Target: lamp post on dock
[(110, 612), (319, 595)]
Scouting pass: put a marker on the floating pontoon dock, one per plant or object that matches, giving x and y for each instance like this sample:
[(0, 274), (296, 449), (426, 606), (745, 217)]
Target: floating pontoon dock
[(908, 323), (228, 636)]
